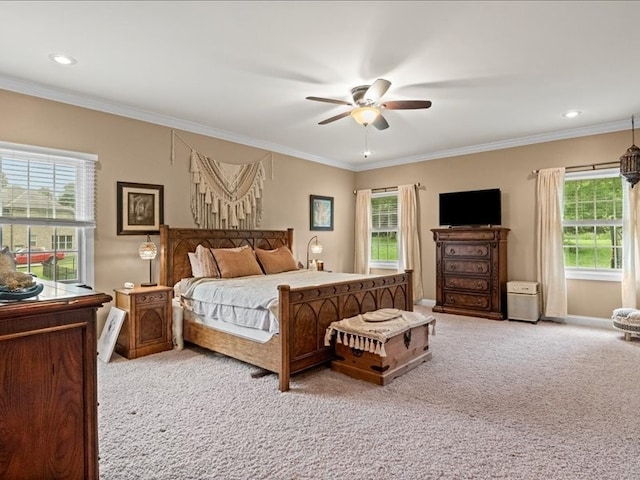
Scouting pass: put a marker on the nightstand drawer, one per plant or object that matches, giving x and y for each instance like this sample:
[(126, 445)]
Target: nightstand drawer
[(152, 297)]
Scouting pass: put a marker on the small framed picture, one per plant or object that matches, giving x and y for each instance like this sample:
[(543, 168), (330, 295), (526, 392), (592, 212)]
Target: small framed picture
[(110, 332), (140, 208), (320, 212)]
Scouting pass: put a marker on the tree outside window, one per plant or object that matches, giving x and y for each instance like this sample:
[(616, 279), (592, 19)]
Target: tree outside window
[(592, 221), (384, 230)]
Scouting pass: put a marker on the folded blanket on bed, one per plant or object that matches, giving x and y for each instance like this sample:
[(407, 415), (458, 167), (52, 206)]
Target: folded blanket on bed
[(371, 335)]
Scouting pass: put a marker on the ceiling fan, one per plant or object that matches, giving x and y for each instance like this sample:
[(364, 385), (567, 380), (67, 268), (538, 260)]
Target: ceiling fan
[(367, 107)]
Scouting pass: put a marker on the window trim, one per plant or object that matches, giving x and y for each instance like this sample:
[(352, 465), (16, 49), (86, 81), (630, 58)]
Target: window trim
[(385, 264), (85, 228), (593, 274)]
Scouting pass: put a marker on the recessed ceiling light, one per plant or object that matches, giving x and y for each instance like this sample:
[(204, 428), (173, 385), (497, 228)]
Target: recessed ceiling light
[(572, 114), (62, 59)]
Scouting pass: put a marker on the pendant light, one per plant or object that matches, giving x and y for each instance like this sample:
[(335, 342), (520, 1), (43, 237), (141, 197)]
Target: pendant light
[(630, 161)]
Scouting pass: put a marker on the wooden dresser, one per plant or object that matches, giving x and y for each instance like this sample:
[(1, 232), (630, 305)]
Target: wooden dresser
[(48, 385), (471, 271)]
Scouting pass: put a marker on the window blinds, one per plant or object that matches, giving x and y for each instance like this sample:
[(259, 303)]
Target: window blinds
[(40, 186)]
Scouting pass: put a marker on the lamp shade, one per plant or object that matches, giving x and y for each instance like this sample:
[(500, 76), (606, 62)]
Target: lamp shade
[(148, 251), (314, 248)]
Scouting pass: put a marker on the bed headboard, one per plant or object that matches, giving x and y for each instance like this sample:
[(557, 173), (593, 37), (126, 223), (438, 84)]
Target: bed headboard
[(176, 243)]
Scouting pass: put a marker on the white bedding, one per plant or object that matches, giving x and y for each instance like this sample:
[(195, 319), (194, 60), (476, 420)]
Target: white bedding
[(250, 302)]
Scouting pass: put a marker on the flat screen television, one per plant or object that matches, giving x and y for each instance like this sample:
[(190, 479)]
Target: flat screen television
[(471, 208)]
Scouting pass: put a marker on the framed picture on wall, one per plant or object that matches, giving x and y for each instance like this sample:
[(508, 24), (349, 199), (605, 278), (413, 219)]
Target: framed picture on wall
[(140, 208), (320, 212)]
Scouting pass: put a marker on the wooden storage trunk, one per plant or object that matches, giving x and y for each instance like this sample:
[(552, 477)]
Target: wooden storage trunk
[(404, 352)]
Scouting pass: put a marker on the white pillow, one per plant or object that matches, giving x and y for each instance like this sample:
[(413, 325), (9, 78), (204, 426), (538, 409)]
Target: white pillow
[(208, 265), (196, 268)]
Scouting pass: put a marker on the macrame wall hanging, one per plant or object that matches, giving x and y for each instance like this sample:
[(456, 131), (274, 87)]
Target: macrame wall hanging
[(225, 195)]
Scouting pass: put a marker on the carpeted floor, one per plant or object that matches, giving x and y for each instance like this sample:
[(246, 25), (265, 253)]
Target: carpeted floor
[(508, 400)]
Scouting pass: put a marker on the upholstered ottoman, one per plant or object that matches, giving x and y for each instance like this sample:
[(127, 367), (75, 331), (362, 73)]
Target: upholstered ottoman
[(627, 320), (380, 346)]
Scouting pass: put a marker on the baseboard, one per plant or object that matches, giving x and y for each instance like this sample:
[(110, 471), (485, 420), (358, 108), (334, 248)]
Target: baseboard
[(426, 302), (593, 322)]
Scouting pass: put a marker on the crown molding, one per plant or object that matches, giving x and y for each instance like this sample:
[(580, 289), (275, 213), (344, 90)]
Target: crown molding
[(38, 90), (514, 142), (92, 103)]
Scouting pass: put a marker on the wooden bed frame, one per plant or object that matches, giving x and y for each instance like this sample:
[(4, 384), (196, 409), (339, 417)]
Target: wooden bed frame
[(304, 313)]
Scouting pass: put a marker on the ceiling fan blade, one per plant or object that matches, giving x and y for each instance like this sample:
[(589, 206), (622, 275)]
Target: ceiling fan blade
[(380, 123), (329, 100), (406, 104), (377, 90), (333, 119)]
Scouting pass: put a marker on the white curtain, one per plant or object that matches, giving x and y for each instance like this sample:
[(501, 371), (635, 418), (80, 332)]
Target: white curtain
[(362, 235), (630, 248), (550, 258), (409, 251)]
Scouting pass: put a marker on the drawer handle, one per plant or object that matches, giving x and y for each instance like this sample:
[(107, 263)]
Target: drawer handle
[(480, 285), (452, 267), (480, 252), (480, 269), (452, 251)]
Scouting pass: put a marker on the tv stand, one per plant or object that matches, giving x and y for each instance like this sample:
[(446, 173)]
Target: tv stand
[(471, 271)]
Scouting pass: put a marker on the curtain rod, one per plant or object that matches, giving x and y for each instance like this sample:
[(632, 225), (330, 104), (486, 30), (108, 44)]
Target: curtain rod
[(386, 189), (592, 166)]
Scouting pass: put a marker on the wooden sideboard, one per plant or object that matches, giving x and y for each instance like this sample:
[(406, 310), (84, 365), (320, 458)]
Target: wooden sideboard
[(48, 384), (471, 271)]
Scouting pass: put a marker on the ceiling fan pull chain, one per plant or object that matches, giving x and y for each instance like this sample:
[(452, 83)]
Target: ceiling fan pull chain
[(366, 143)]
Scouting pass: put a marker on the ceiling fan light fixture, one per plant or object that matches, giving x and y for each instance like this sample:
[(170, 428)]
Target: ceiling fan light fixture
[(365, 115)]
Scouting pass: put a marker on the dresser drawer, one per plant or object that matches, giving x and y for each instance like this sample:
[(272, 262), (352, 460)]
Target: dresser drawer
[(477, 267), (462, 300), (479, 250), (466, 283)]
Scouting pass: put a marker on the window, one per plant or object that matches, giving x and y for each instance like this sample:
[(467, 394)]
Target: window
[(592, 225), (47, 211), (384, 230)]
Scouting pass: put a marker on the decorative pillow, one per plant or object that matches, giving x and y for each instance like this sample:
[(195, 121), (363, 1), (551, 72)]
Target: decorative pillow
[(207, 263), (196, 268), (236, 262), (276, 261)]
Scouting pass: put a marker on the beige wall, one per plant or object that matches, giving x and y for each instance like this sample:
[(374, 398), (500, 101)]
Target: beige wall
[(510, 170), (135, 151)]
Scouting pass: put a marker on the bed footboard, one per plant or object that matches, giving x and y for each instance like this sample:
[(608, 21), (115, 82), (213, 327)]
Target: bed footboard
[(306, 312)]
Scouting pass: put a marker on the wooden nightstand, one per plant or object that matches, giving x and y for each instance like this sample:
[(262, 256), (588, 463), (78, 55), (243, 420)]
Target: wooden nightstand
[(147, 326)]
